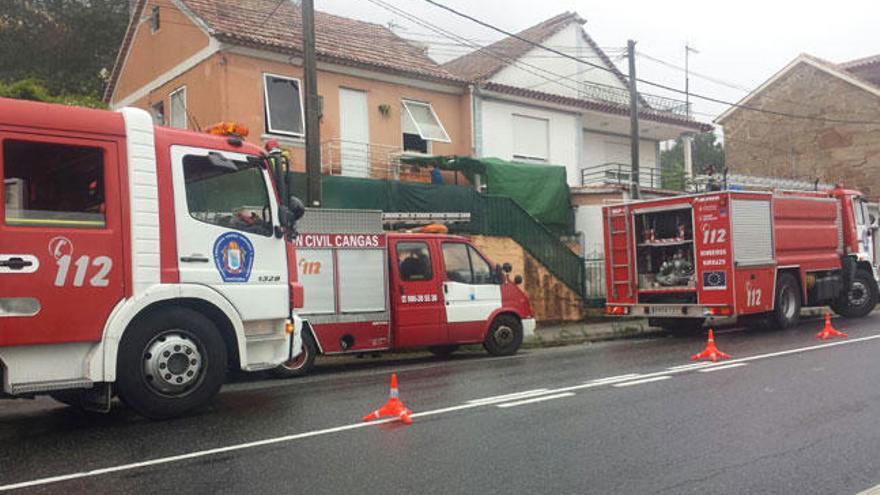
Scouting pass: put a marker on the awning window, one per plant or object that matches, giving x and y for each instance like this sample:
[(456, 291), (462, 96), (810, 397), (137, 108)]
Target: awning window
[(420, 119)]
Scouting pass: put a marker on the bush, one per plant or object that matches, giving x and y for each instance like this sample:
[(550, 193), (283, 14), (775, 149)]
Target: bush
[(34, 90)]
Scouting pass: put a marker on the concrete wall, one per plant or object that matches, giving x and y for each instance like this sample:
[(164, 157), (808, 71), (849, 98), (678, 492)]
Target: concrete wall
[(599, 148), (497, 130), (775, 146), (551, 300)]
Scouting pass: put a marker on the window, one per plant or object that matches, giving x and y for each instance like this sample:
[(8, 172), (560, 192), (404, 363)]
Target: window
[(158, 112), (465, 265), (177, 116), (414, 261), (283, 105), (154, 20), (530, 137), (420, 126), (858, 208), (48, 184), (228, 193)]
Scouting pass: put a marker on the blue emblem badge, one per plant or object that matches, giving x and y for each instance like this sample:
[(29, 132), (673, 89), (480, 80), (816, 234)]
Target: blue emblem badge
[(234, 257)]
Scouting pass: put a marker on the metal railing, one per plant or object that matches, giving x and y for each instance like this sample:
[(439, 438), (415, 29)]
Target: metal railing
[(368, 161), (594, 274), (620, 96), (621, 174)]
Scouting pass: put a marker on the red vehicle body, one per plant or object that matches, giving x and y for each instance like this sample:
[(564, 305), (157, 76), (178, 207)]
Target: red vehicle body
[(681, 260), (120, 272), (368, 291)]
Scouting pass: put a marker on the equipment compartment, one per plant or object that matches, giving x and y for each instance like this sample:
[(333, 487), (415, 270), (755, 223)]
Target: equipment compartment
[(665, 251)]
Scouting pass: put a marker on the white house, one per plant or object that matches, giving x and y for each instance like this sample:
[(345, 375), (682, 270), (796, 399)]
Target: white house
[(535, 106)]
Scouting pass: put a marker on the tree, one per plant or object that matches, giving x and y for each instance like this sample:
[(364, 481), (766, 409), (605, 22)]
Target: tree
[(707, 153), (68, 46)]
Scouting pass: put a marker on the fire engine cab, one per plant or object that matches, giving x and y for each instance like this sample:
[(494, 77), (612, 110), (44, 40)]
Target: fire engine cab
[(681, 260), (368, 290), (137, 260)]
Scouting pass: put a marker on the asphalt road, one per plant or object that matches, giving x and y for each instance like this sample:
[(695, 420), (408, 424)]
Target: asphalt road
[(788, 414)]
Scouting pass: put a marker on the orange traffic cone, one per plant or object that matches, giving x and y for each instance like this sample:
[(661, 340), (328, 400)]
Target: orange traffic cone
[(829, 331), (393, 408), (710, 352)]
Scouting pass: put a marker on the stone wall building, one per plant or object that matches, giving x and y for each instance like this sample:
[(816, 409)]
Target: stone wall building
[(821, 147)]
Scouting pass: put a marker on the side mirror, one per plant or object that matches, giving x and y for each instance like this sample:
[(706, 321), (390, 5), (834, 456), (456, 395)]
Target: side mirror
[(297, 208), (499, 275), (518, 279), (507, 267)]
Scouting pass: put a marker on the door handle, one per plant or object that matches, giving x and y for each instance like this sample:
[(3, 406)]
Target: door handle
[(195, 258), (16, 263)]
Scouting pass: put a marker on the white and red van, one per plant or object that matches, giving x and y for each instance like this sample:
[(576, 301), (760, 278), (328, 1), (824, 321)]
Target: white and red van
[(367, 290), (137, 260)]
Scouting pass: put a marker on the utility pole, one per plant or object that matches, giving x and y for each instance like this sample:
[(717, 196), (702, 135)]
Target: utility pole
[(313, 138), (633, 120)]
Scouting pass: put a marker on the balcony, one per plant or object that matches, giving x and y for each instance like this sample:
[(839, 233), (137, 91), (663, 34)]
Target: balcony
[(621, 174), (368, 161), (620, 96)]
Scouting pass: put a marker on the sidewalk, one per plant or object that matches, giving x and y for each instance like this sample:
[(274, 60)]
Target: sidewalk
[(597, 329)]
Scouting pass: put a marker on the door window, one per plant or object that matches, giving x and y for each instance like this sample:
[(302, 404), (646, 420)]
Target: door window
[(47, 184), (465, 265), (228, 193), (414, 261)]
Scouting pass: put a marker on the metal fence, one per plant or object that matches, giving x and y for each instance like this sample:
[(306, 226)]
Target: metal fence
[(621, 173), (620, 96), (368, 161), (594, 283), (502, 216)]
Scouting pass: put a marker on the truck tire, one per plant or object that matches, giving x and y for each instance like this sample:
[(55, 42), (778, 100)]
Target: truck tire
[(787, 311), (302, 364), (504, 337), (860, 299), (170, 363), (443, 351), (678, 326)]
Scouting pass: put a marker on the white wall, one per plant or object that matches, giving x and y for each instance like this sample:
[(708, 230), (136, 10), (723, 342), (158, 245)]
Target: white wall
[(569, 41), (498, 141), (588, 220), (601, 148)]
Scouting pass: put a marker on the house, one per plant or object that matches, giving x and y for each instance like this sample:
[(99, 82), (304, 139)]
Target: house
[(838, 140), (193, 63), (535, 106)]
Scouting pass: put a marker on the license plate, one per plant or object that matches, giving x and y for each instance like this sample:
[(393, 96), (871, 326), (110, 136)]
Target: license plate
[(665, 310)]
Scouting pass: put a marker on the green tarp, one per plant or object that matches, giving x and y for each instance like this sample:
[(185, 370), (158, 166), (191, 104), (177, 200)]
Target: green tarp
[(542, 190)]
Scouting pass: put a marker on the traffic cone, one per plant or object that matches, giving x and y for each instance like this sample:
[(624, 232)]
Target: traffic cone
[(393, 408), (710, 352), (829, 331)]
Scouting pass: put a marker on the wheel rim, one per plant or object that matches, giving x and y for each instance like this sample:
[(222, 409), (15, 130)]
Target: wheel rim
[(173, 363), (788, 303), (858, 294), (503, 336)]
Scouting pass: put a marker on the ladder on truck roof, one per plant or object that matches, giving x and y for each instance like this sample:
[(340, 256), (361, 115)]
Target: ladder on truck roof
[(615, 230)]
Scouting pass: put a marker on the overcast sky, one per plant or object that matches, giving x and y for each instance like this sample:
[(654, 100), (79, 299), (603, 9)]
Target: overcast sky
[(740, 42)]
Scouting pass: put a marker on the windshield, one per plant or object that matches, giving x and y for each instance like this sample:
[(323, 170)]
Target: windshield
[(228, 193)]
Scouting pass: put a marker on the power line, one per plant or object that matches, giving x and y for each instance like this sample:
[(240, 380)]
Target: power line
[(643, 81), (697, 74)]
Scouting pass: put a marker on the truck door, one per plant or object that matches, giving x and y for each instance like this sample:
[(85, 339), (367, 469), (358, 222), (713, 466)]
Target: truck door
[(864, 230), (417, 302), (472, 294), (61, 239), (225, 218)]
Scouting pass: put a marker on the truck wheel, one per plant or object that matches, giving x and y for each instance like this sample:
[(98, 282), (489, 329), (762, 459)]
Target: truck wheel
[(442, 351), (787, 312), (302, 364), (860, 299), (504, 336), (170, 363)]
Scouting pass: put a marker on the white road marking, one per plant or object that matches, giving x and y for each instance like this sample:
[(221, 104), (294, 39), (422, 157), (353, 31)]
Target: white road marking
[(875, 490), (719, 367), (612, 379), (685, 367), (535, 399), (503, 398), (645, 380)]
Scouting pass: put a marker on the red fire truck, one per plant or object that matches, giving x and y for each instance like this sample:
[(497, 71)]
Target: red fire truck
[(681, 260), (368, 290), (137, 260)]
